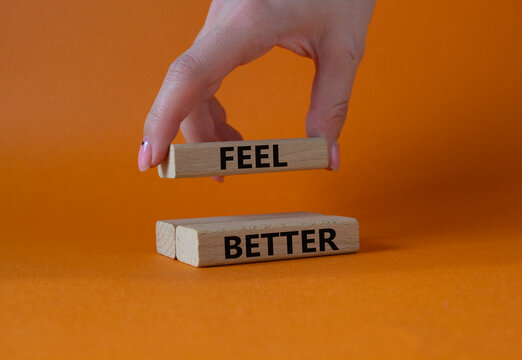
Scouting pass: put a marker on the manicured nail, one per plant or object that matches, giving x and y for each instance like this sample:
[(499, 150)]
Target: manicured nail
[(335, 156), (145, 155)]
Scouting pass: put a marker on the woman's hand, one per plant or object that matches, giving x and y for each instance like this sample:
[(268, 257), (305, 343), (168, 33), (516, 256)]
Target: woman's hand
[(331, 32)]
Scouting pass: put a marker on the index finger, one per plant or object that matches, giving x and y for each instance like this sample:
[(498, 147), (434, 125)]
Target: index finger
[(206, 63)]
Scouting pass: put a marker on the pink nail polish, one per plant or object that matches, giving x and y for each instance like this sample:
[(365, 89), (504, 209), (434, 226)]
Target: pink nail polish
[(335, 156), (219, 179), (145, 155)]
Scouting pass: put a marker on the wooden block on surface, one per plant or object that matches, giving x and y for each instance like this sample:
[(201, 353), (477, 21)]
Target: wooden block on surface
[(245, 241), (243, 157), (166, 229)]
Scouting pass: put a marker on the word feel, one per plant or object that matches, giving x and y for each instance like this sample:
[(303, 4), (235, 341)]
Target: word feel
[(246, 158)]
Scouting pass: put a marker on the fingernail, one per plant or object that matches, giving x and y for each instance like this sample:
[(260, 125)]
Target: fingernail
[(145, 155), (335, 156), (219, 179)]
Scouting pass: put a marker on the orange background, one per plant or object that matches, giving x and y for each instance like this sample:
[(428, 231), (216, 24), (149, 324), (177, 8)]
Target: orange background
[(431, 167)]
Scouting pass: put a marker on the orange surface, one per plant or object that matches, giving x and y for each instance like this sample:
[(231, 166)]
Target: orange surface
[(431, 167)]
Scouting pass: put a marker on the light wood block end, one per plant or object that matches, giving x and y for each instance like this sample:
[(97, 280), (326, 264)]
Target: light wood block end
[(167, 168), (165, 235)]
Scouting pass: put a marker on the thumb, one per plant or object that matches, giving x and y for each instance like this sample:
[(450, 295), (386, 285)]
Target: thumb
[(331, 92)]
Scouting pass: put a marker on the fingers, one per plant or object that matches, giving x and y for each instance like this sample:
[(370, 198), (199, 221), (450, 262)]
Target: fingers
[(205, 64), (223, 131), (207, 122), (198, 126), (331, 91)]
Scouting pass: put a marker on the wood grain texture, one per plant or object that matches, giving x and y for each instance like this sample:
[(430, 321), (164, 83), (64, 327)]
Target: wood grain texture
[(166, 229), (244, 241), (243, 157)]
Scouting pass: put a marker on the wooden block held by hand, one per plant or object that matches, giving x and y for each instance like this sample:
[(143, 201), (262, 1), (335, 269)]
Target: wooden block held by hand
[(244, 241), (166, 229), (243, 157)]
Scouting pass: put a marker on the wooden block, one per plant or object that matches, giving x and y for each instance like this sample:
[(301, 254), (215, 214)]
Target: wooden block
[(166, 229), (245, 241), (243, 157)]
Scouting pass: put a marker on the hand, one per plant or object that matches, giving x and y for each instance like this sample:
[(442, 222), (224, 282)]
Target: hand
[(331, 32)]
